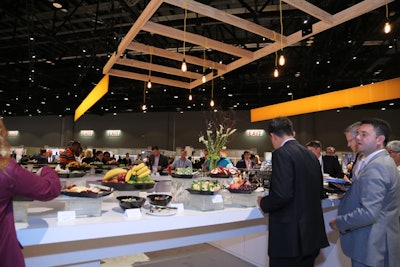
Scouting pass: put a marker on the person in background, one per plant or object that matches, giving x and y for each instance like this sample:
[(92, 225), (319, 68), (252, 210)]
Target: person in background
[(157, 161), (368, 214), (127, 160), (70, 154), (296, 222), (99, 156), (108, 160), (182, 161), (256, 159), (245, 163), (222, 162), (40, 158), (329, 164), (18, 181), (50, 157), (393, 147), (203, 160), (350, 133), (330, 151), (88, 157)]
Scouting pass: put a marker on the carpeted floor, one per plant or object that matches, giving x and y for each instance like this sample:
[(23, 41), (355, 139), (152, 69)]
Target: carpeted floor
[(191, 256)]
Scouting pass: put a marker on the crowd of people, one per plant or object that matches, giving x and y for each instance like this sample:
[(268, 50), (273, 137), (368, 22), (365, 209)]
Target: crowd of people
[(368, 214)]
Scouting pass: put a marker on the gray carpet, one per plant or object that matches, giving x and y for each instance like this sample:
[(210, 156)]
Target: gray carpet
[(191, 256)]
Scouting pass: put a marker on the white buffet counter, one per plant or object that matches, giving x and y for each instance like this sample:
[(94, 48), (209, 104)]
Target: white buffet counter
[(85, 241)]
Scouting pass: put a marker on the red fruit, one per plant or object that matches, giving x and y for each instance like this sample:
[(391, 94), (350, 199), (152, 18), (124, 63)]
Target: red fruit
[(121, 177)]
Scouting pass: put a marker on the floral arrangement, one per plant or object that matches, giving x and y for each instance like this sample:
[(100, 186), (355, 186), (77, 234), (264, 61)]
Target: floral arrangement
[(215, 142)]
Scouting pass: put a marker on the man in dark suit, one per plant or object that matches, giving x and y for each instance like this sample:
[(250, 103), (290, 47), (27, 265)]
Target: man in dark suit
[(330, 164), (157, 161), (296, 223)]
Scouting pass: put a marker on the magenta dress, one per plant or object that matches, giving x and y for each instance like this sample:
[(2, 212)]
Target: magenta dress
[(17, 181)]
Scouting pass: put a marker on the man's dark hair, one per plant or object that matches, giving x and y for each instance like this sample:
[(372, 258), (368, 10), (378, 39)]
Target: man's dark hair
[(154, 148), (381, 127), (281, 126), (98, 152), (314, 144), (106, 153)]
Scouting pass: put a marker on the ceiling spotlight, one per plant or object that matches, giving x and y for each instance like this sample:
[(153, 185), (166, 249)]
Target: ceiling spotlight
[(144, 107), (276, 73), (57, 4), (184, 66), (282, 60)]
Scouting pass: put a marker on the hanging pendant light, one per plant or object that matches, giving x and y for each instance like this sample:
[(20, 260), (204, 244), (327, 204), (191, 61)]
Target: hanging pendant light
[(212, 103), (184, 66), (276, 73), (212, 93), (149, 84), (282, 60), (387, 27)]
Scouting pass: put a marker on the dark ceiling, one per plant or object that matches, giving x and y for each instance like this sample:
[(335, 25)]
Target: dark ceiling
[(50, 59)]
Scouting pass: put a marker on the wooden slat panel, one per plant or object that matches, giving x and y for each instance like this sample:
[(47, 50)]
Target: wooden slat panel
[(147, 13), (175, 56), (158, 68), (143, 77), (227, 18), (310, 9), (196, 39)]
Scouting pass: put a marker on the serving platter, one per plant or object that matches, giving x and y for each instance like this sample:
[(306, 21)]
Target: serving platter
[(184, 176), (220, 175), (199, 192), (238, 191), (87, 195), (129, 187), (161, 211)]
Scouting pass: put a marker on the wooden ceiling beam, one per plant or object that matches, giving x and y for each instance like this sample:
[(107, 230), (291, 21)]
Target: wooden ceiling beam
[(139, 47), (227, 18), (147, 13), (173, 33), (158, 68), (145, 77), (311, 9)]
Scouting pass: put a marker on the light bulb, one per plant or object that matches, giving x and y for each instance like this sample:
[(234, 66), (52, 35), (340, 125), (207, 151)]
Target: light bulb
[(190, 97), (282, 60), (212, 103), (144, 107), (276, 73), (184, 66), (387, 28), (149, 84), (203, 79)]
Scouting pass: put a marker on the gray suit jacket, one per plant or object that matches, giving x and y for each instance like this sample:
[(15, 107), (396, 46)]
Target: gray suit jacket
[(368, 215)]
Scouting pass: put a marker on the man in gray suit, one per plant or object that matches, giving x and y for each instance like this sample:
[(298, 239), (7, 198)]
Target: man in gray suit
[(368, 215)]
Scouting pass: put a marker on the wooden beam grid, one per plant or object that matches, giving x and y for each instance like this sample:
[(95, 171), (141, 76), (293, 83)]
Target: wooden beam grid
[(244, 57)]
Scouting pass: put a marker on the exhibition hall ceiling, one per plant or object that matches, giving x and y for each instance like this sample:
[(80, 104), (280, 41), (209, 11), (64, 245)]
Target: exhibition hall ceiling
[(51, 58)]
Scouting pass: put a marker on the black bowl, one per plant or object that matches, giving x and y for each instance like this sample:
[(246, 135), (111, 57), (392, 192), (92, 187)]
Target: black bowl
[(130, 202), (159, 199)]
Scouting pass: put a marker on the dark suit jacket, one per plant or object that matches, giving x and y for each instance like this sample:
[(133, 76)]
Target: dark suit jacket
[(163, 161), (241, 164), (332, 166), (296, 223)]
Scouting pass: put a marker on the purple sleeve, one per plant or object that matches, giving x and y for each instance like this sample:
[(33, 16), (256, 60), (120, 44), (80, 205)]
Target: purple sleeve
[(45, 186)]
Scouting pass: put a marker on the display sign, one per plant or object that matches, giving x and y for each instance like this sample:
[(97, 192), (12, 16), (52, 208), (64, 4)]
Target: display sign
[(87, 133), (113, 133), (255, 132), (13, 133)]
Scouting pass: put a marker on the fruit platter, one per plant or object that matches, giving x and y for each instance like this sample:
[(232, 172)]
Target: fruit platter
[(83, 191), (183, 173), (241, 186), (78, 166), (204, 187), (222, 172), (137, 178)]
